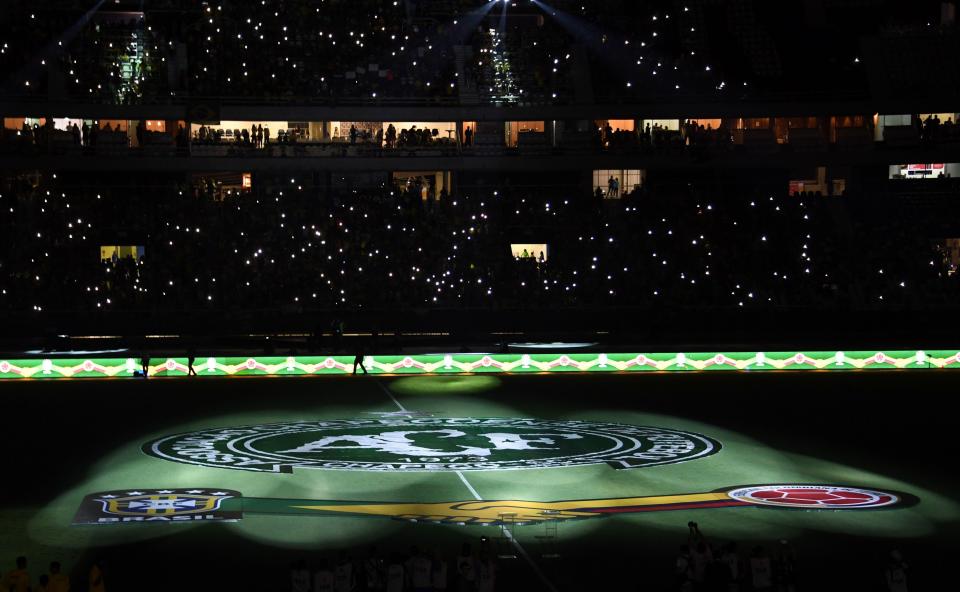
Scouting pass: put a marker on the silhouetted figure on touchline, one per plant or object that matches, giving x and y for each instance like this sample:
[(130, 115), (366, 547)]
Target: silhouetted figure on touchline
[(358, 360)]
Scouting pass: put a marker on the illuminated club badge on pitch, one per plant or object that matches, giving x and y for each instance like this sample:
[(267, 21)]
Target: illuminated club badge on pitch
[(432, 444), (158, 505), (814, 497)]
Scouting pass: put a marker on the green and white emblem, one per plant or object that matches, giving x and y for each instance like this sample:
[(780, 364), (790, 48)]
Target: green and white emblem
[(431, 444)]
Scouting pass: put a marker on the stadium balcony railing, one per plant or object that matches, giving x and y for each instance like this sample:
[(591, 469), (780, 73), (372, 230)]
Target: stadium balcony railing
[(118, 145)]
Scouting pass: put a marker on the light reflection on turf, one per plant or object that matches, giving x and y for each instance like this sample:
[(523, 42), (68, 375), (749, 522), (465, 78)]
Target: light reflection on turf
[(444, 385), (743, 461)]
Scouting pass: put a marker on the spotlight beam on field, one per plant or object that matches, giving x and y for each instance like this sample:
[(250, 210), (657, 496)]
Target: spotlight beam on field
[(466, 24), (32, 69), (585, 32), (605, 45)]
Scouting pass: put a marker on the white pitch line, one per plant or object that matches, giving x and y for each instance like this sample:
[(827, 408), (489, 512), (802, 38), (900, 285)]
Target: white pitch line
[(513, 541), (470, 487), (389, 394)]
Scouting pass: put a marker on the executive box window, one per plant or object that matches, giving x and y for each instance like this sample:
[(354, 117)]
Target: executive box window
[(117, 252), (515, 128), (616, 132), (526, 251), (925, 170), (614, 183), (419, 133), (230, 131), (430, 185)]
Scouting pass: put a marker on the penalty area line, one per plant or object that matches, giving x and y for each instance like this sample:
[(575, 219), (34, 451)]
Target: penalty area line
[(513, 540)]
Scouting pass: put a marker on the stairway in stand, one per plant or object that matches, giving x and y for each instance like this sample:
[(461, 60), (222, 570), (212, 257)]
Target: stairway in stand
[(466, 84), (582, 80)]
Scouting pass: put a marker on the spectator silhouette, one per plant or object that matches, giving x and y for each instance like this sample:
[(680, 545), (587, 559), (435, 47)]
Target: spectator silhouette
[(18, 580), (59, 582), (895, 574), (358, 357)]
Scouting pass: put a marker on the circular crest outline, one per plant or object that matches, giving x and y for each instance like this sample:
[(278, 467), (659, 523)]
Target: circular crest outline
[(233, 447), (871, 498)]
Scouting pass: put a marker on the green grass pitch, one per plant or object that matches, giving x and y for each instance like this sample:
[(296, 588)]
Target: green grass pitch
[(883, 430)]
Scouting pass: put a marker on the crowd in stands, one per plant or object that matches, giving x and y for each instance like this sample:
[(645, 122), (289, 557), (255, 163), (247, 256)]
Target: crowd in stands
[(334, 51), (285, 245), (511, 52), (237, 49)]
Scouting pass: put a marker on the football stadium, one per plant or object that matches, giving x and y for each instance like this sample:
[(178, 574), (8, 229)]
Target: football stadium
[(564, 481), (477, 295)]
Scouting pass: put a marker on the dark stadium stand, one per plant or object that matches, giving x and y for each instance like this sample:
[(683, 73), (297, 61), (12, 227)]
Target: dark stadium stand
[(649, 126)]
